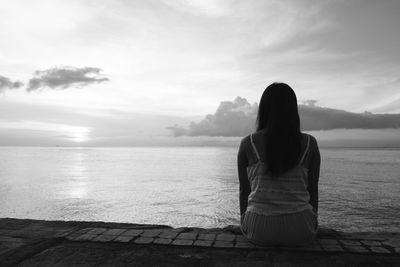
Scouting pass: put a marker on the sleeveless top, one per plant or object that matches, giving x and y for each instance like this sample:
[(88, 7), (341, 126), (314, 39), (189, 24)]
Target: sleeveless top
[(275, 195)]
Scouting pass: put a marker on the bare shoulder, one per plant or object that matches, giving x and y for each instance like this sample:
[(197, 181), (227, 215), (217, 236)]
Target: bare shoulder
[(313, 140), (243, 152), (313, 147), (244, 142)]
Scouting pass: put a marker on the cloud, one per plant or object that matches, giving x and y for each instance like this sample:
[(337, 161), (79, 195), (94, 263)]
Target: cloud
[(238, 118), (231, 119), (319, 118), (6, 83), (210, 8), (309, 102), (65, 77)]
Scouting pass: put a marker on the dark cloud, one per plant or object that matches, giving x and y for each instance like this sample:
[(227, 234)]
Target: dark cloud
[(319, 118), (65, 77), (6, 83), (237, 118)]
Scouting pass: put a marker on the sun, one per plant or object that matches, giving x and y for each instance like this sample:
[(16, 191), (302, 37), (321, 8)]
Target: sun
[(78, 133)]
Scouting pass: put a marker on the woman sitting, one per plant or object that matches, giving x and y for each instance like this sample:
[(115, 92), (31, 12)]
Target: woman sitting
[(278, 168)]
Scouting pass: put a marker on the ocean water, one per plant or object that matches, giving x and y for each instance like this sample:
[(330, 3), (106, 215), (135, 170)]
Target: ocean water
[(185, 186)]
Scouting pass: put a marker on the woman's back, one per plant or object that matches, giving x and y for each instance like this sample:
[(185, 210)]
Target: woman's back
[(281, 210), (278, 194), (278, 169)]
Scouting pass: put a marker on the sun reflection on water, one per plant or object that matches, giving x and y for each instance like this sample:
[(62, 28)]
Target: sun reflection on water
[(77, 186)]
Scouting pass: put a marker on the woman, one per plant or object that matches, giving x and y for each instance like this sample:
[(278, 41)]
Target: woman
[(278, 174)]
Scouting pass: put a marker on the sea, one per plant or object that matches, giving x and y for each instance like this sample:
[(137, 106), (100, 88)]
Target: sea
[(359, 189)]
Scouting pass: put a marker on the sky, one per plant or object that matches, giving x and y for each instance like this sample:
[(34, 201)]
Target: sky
[(116, 70)]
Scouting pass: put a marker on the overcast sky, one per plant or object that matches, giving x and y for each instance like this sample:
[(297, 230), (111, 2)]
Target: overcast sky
[(101, 59)]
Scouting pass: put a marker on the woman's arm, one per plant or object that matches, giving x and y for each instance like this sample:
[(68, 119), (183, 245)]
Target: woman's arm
[(244, 185), (313, 174)]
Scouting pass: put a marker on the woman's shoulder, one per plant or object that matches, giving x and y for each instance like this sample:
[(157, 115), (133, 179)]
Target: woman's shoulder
[(246, 145), (306, 136), (255, 136), (245, 141), (244, 151), (313, 144)]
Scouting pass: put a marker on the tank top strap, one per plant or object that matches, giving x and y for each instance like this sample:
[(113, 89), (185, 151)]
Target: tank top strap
[(254, 147), (306, 150)]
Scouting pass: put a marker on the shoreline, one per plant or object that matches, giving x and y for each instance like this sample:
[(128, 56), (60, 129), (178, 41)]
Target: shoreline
[(29, 242), (378, 147)]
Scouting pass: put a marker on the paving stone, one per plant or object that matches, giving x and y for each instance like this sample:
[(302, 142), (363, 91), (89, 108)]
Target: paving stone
[(162, 241), (203, 243), (144, 240), (182, 242), (151, 233), (350, 242), (374, 236), (195, 230), (267, 247), (313, 247), (325, 232), (168, 234), (226, 237), (223, 244), (218, 232), (133, 232), (96, 253), (350, 236), (327, 241), (43, 259), (332, 248), (61, 233), (371, 243), (356, 249), (84, 237), (8, 243), (190, 236), (394, 243), (71, 237), (180, 229), (103, 238), (81, 231), (379, 250), (77, 233), (123, 238), (241, 238), (257, 254), (208, 237), (114, 232), (365, 236), (5, 231), (96, 231), (24, 232), (244, 245)]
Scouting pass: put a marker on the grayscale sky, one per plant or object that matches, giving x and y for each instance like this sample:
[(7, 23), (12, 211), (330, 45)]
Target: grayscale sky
[(69, 69)]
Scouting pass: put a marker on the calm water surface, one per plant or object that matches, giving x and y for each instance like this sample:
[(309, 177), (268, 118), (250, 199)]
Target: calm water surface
[(185, 186)]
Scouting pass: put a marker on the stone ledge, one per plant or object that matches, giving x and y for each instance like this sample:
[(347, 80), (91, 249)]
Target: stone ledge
[(328, 241), (219, 238)]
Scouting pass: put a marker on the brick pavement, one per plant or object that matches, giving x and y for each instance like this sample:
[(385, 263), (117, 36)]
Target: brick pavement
[(337, 242), (18, 235)]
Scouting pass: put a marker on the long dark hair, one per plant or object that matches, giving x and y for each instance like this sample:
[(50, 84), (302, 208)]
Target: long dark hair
[(278, 114)]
